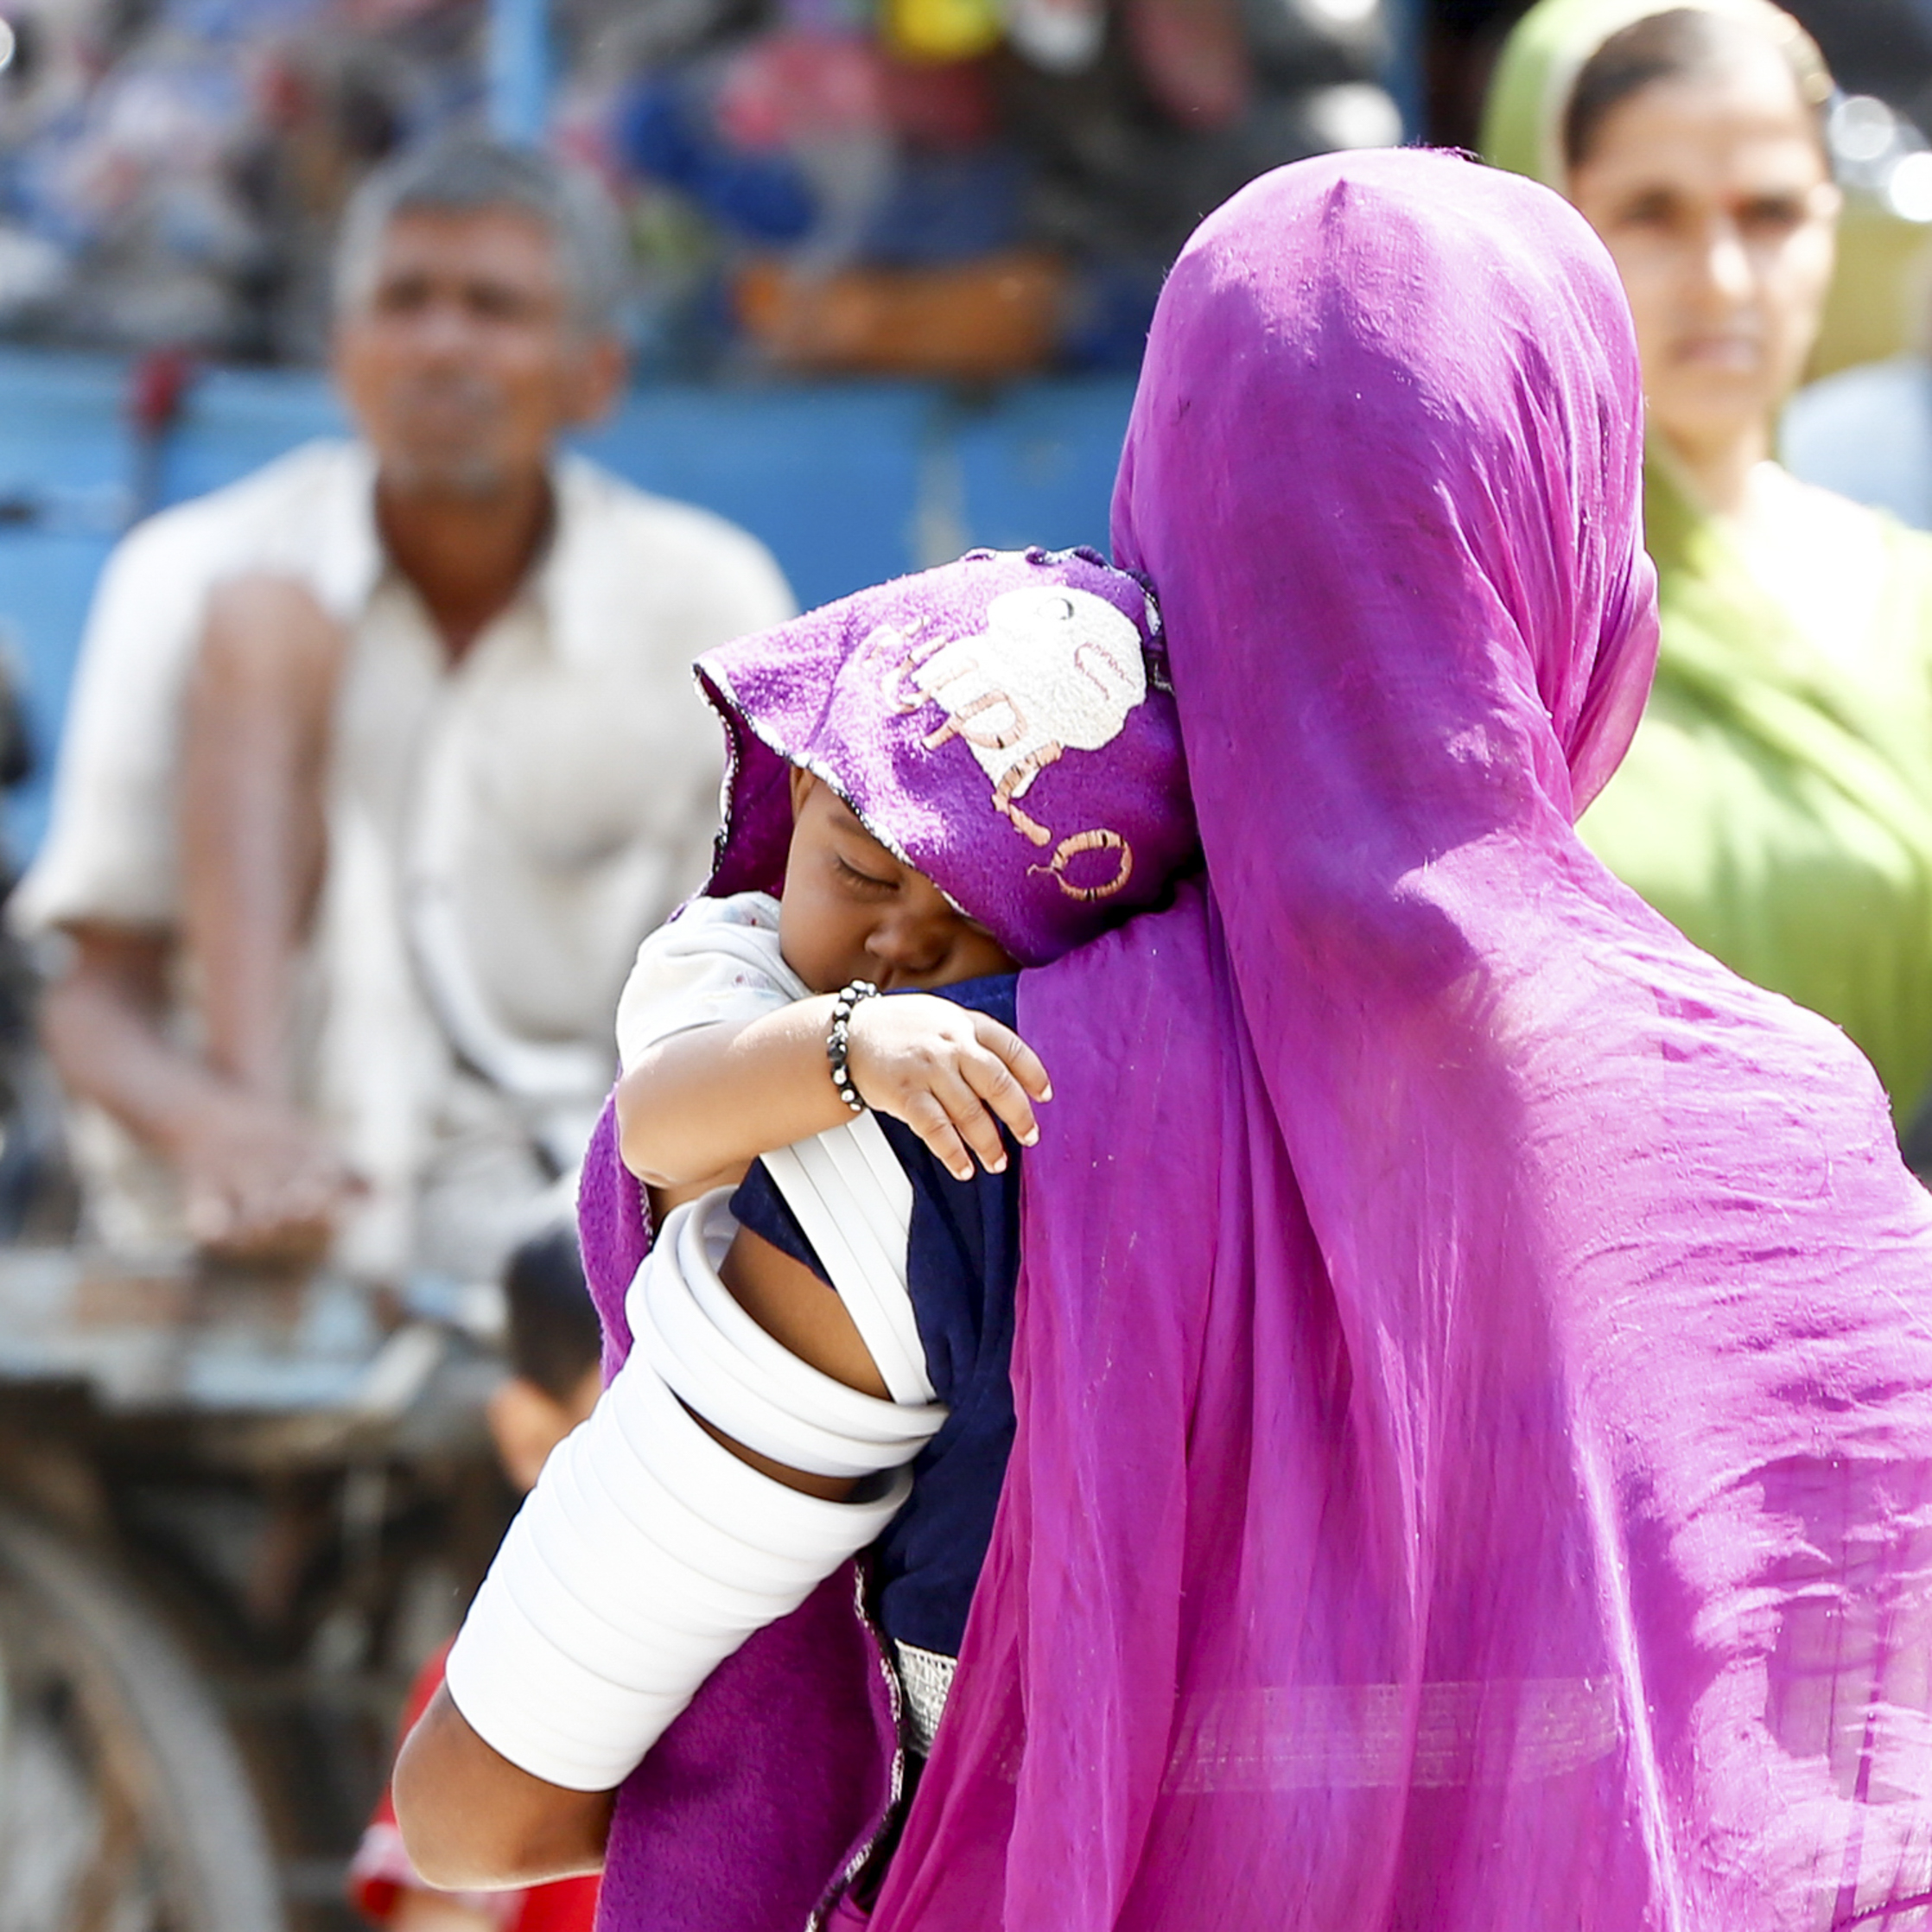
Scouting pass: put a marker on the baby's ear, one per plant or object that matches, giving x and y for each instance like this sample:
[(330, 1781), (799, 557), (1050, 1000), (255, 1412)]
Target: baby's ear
[(802, 784)]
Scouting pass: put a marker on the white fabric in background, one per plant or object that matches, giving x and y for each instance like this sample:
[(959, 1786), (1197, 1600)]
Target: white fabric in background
[(502, 832)]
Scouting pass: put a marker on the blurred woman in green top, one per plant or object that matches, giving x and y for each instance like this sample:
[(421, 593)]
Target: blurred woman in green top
[(1777, 803)]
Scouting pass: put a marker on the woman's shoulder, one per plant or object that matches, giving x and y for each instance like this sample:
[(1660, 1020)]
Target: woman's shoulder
[(1833, 531), (1878, 566), (1786, 508), (1853, 580)]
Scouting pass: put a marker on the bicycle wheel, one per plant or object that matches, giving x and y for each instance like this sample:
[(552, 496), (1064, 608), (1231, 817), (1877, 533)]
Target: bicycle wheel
[(125, 1806)]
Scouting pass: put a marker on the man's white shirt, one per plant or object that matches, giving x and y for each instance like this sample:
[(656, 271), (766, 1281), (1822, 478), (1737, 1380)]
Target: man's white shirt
[(501, 832)]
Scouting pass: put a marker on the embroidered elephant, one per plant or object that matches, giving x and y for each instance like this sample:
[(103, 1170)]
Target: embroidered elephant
[(1054, 671)]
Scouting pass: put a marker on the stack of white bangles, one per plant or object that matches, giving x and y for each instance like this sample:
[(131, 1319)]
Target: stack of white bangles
[(648, 1552)]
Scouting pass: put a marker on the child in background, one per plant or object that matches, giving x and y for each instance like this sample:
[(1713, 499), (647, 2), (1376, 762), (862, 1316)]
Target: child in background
[(554, 1384)]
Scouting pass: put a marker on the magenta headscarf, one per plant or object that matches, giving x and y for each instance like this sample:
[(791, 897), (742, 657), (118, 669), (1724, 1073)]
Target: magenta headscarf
[(1002, 723), (1474, 1359)]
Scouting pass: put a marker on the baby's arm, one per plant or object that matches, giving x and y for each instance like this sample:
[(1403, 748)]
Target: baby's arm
[(471, 1817), (699, 1107)]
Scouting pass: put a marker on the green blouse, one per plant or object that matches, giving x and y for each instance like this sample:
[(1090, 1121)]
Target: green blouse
[(1776, 804)]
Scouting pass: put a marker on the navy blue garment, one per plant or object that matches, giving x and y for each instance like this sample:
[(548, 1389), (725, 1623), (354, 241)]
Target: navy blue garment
[(962, 1264), (661, 132)]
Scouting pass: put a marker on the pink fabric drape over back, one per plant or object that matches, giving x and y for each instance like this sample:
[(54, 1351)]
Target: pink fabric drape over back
[(1474, 1360)]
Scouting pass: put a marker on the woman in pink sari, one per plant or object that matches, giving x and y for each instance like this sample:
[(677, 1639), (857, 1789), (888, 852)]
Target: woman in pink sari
[(1473, 1354), (1474, 1358)]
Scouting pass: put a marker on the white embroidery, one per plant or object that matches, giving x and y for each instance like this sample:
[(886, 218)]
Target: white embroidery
[(1055, 669), (926, 1677)]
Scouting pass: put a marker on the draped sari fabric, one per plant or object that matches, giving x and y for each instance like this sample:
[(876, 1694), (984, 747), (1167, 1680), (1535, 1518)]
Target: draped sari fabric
[(1474, 1354), (1776, 805)]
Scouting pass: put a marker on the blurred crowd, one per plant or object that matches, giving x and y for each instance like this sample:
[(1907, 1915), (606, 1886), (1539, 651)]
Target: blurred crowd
[(968, 187)]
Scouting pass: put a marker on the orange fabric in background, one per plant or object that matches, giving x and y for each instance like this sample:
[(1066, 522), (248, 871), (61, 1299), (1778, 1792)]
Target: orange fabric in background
[(976, 320)]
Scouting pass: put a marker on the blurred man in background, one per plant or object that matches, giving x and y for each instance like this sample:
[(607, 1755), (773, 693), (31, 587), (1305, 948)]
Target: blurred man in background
[(381, 761)]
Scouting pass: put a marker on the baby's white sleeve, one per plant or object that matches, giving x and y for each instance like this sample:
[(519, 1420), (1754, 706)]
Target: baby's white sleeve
[(716, 961)]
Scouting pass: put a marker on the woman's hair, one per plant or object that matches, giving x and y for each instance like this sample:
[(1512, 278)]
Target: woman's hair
[(1686, 42)]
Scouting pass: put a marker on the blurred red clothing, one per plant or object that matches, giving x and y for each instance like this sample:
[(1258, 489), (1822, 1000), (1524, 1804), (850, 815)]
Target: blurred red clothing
[(381, 1869)]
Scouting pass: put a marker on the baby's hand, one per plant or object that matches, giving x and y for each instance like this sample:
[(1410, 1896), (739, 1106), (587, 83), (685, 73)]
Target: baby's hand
[(947, 1073)]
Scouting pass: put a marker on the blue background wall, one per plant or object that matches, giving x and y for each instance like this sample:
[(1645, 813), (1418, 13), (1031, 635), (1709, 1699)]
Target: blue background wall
[(848, 483)]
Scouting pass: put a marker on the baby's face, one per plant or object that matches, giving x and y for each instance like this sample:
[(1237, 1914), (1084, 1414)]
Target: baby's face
[(851, 911)]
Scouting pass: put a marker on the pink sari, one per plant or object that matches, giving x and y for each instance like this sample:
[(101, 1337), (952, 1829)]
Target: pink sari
[(1475, 1354)]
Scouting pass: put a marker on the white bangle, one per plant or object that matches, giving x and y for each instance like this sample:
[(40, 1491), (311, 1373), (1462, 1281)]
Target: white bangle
[(728, 1371), (648, 1552)]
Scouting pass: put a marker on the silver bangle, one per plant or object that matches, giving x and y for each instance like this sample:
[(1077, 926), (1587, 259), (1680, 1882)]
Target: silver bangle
[(838, 1040)]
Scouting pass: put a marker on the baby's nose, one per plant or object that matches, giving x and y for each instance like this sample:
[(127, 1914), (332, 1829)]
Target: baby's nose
[(908, 945)]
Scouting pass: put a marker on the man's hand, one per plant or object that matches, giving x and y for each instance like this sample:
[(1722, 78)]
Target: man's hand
[(951, 1075), (262, 1185)]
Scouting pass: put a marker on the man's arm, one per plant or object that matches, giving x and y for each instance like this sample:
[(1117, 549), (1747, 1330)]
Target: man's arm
[(260, 1184), (101, 1021), (244, 785)]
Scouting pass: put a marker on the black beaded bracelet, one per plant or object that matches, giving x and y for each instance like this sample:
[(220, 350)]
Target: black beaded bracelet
[(838, 1040)]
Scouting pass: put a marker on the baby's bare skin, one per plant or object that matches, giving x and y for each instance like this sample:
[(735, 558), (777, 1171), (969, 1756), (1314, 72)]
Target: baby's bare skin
[(697, 1108)]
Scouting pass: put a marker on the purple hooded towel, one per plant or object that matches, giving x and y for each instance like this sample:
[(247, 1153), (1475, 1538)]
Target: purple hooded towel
[(1000, 723), (1004, 724), (1474, 1355)]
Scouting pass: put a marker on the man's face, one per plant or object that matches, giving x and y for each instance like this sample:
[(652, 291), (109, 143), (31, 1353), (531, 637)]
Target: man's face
[(460, 359)]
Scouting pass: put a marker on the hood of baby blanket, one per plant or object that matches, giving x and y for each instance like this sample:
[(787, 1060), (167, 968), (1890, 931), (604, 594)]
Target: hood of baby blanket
[(1002, 723)]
